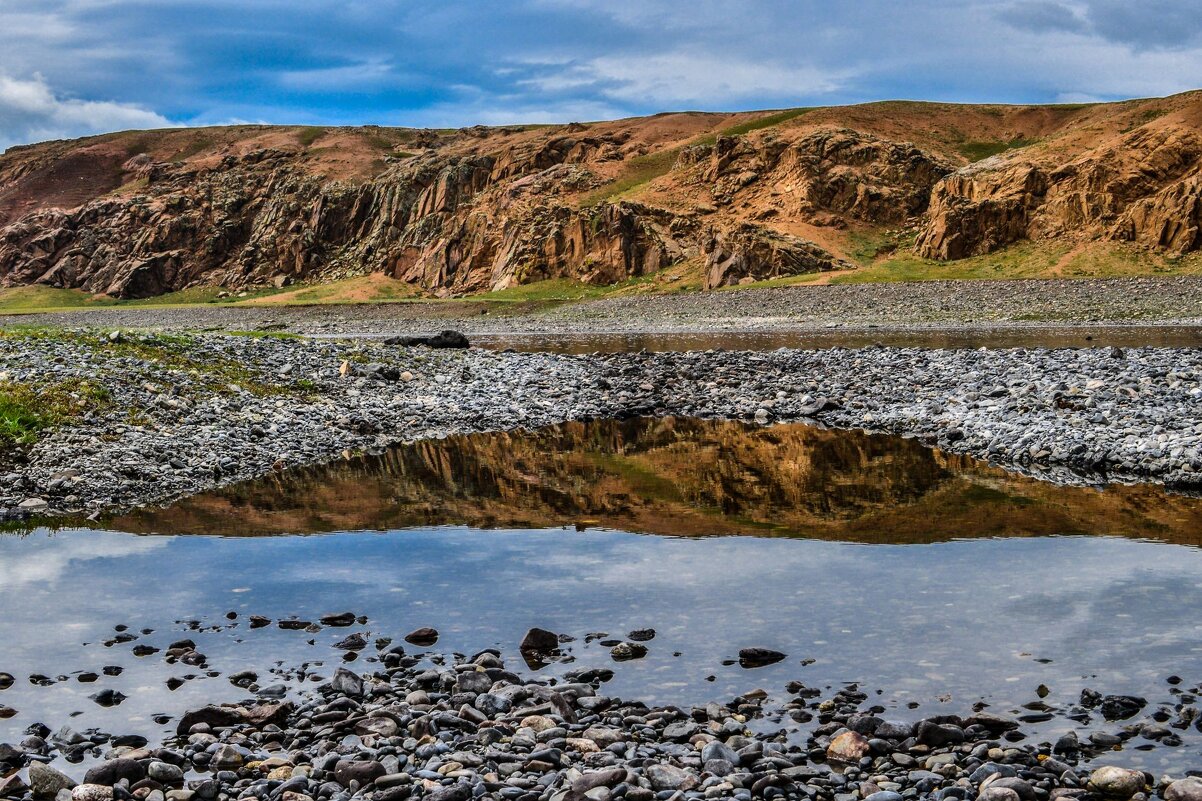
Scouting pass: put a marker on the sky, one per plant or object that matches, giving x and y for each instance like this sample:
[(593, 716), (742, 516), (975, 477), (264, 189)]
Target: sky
[(74, 67)]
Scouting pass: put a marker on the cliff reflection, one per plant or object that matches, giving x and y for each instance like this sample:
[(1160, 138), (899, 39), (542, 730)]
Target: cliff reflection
[(678, 477)]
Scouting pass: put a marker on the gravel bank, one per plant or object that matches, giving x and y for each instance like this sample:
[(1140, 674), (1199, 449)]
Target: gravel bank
[(458, 728), (932, 303), (187, 414)]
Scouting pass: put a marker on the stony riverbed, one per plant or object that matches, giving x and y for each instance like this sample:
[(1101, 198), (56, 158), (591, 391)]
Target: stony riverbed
[(183, 414), (465, 727)]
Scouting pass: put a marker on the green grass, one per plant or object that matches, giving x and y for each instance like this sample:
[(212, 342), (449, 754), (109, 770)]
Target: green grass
[(642, 170), (1027, 260), (976, 151), (639, 170), (166, 351), (758, 124), (27, 408), (307, 136)]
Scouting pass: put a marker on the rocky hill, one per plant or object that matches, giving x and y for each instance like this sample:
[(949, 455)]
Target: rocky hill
[(735, 197)]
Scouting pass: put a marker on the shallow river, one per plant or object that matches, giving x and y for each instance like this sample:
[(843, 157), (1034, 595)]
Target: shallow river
[(934, 579)]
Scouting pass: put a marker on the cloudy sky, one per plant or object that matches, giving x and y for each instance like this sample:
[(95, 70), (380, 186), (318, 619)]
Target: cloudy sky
[(69, 67)]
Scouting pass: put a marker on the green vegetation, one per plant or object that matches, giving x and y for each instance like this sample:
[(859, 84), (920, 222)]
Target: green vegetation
[(639, 170), (1027, 260), (976, 151), (27, 409), (177, 352), (307, 136), (758, 124)]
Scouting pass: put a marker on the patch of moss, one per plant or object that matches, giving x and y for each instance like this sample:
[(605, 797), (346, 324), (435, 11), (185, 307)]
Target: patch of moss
[(977, 151), (29, 408), (307, 136)]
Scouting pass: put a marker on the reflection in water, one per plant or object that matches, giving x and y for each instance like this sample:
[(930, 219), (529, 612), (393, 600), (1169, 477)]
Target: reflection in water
[(941, 612), (680, 477)]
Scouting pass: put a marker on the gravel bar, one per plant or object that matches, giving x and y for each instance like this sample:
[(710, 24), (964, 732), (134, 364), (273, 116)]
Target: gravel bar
[(186, 414)]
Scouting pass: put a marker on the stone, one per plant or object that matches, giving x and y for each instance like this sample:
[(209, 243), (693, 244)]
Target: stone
[(669, 777), (1187, 789), (1116, 783), (625, 651), (46, 782), (759, 657), (848, 747), (424, 637), (347, 682), (363, 772), (539, 641)]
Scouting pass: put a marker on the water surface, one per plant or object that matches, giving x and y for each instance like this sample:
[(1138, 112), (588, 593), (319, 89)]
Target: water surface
[(937, 580)]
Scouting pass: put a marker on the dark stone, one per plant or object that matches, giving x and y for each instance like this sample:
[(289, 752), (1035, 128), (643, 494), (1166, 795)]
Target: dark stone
[(424, 637), (759, 657), (444, 339)]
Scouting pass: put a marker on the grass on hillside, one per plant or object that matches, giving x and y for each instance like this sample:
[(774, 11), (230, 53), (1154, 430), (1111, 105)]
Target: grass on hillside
[(307, 136), (638, 171), (644, 169), (977, 151)]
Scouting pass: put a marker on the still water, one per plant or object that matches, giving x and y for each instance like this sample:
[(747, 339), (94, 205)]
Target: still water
[(937, 580)]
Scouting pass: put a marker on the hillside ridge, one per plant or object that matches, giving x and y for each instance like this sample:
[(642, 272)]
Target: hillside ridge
[(733, 197)]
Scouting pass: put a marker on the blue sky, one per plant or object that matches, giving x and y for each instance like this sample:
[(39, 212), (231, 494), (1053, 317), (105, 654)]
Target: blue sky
[(70, 67)]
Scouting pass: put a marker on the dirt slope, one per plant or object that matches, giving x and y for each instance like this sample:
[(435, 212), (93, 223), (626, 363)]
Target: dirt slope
[(733, 196)]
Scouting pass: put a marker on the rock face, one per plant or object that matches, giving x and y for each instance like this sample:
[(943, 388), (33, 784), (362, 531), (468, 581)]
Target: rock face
[(144, 213), (1145, 188)]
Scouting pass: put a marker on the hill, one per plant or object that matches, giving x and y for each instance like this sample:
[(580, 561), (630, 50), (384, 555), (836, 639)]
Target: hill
[(713, 199)]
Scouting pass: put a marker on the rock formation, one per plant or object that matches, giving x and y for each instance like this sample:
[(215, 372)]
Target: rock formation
[(732, 197)]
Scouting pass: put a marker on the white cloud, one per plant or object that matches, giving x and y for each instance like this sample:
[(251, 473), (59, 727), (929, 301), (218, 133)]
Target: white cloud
[(31, 111), (679, 78)]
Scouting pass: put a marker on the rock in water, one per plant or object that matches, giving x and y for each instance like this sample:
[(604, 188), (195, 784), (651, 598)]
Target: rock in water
[(539, 641), (759, 657), (444, 339), (1116, 783), (424, 637)]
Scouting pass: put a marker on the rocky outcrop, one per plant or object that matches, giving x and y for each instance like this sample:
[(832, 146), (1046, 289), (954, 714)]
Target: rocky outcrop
[(1144, 188), (144, 213), (854, 175), (754, 253)]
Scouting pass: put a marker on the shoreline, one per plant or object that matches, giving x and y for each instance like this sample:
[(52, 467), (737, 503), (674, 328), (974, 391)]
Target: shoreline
[(1173, 300), (414, 724), (189, 414)]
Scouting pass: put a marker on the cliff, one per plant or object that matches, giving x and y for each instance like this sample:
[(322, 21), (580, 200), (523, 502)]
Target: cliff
[(737, 197)]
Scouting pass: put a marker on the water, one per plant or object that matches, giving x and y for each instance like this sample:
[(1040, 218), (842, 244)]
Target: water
[(937, 580)]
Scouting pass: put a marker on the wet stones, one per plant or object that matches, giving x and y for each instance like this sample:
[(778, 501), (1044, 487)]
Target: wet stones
[(1121, 707), (423, 637), (539, 641), (625, 651), (346, 682), (6, 680), (337, 619), (759, 657)]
